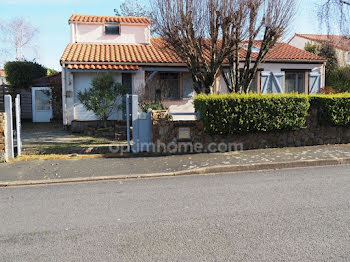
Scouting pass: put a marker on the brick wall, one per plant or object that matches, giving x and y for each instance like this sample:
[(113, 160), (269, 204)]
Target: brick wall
[(167, 132), (2, 137)]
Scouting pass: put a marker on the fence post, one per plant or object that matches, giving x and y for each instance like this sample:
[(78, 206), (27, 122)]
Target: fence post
[(135, 123), (128, 120), (18, 125), (9, 128)]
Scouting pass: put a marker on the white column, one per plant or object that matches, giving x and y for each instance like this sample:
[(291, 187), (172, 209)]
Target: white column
[(18, 125), (9, 150)]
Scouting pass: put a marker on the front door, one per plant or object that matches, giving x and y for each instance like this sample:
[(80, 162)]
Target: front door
[(127, 83), (42, 104)]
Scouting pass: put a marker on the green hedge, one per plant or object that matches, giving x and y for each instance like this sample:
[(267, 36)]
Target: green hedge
[(20, 74), (234, 113), (333, 110)]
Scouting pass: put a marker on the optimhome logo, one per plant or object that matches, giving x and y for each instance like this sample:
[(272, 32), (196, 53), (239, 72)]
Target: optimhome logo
[(180, 147)]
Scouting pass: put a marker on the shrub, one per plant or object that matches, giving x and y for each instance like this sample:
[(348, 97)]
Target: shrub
[(339, 79), (20, 74), (333, 109), (102, 97), (153, 106), (235, 113)]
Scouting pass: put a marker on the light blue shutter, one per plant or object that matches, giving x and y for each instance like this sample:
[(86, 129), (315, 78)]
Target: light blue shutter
[(188, 91), (314, 83), (277, 83), (266, 82)]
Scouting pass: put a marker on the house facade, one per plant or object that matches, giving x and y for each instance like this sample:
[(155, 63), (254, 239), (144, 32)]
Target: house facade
[(340, 43), (124, 46)]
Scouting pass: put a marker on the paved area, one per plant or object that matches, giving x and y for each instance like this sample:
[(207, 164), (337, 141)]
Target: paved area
[(293, 215), (51, 138), (80, 168)]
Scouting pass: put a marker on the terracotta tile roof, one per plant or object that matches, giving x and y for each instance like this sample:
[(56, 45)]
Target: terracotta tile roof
[(337, 41), (283, 51), (157, 52), (103, 67), (119, 53), (107, 19)]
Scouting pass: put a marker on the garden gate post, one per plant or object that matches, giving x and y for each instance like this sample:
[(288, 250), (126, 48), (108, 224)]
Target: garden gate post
[(9, 128), (18, 125)]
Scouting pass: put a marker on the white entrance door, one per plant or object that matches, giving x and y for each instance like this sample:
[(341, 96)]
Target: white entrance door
[(41, 104)]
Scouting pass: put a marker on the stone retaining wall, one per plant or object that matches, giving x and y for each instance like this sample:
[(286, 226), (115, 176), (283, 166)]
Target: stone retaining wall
[(167, 132), (2, 137)]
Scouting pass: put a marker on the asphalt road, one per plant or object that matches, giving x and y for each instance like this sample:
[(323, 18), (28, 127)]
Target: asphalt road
[(293, 215)]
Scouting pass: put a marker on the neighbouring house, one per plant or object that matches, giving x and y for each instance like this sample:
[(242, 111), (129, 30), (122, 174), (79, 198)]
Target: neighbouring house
[(340, 43), (41, 102), (124, 45), (2, 77)]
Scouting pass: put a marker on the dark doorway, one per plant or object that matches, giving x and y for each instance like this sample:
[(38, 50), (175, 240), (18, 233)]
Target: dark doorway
[(127, 82)]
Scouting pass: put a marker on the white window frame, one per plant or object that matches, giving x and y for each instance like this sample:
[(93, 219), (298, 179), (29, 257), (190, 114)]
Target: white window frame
[(112, 24)]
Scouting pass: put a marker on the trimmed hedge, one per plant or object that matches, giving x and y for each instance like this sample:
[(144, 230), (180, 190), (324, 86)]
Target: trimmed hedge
[(334, 109), (20, 74), (240, 113)]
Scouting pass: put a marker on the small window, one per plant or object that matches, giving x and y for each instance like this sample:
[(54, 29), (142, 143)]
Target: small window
[(348, 58), (169, 86), (112, 29), (295, 82)]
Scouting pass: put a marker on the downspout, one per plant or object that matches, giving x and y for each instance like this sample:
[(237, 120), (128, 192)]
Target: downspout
[(75, 32)]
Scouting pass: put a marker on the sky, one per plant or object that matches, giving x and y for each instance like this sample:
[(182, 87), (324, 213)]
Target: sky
[(51, 19)]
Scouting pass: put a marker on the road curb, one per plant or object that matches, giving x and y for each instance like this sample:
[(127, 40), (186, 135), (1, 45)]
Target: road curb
[(197, 171)]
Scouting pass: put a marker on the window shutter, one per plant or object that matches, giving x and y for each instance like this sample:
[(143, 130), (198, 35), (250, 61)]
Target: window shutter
[(187, 82), (277, 83), (265, 82), (314, 83)]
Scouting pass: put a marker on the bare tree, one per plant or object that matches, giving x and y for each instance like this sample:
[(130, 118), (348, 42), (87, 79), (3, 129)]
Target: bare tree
[(202, 33), (267, 20), (335, 14), (19, 34), (132, 8), (135, 8)]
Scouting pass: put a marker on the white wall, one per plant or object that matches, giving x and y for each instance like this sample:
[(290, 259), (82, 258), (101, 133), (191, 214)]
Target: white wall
[(138, 83), (298, 42), (274, 67), (82, 81), (94, 33), (180, 106), (2, 80)]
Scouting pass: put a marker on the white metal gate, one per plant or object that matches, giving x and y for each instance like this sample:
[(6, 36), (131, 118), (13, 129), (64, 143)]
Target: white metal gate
[(9, 132), (141, 126)]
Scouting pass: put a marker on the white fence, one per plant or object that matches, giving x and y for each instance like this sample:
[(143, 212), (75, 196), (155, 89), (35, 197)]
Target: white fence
[(9, 128)]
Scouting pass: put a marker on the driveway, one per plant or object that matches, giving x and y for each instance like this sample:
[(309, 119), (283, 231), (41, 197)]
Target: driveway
[(292, 215), (51, 138)]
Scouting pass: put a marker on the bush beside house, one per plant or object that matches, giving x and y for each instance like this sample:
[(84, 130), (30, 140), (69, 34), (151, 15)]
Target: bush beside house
[(234, 113), (20, 74), (333, 110)]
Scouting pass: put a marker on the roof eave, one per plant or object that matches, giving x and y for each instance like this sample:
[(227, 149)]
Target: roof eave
[(102, 23)]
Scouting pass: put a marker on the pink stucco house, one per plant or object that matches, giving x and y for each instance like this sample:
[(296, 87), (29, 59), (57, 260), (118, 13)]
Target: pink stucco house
[(124, 45)]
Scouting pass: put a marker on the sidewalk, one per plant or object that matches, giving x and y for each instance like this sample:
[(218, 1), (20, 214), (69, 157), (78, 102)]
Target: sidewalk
[(107, 168)]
